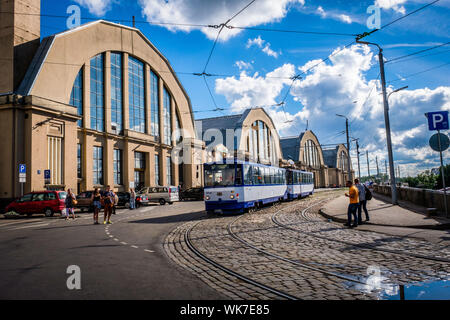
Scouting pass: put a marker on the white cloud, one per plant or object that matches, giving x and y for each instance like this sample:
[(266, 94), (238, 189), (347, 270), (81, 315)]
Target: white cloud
[(254, 90), (263, 45), (331, 88), (333, 15), (214, 13), (96, 7), (242, 65), (395, 5)]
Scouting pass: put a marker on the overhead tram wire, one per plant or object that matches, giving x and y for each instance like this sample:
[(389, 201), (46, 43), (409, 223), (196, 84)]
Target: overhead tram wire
[(417, 73), (417, 52), (221, 26), (157, 23), (365, 34), (423, 56)]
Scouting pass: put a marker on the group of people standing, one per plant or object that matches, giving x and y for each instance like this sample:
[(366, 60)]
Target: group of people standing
[(107, 199), (358, 194)]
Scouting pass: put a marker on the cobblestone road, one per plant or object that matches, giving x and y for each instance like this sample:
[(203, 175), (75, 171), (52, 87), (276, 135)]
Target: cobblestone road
[(290, 248)]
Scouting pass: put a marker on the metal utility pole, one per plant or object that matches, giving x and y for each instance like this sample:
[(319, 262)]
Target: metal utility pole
[(357, 151), (350, 176), (385, 165), (368, 166), (378, 170), (386, 119)]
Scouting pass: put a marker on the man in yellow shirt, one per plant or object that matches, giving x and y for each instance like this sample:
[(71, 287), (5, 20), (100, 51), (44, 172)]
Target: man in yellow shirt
[(353, 206)]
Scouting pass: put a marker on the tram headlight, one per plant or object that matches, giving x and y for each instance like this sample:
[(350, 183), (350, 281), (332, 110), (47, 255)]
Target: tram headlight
[(231, 196), (207, 198)]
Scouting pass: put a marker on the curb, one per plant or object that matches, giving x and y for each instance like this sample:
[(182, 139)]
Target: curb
[(445, 226)]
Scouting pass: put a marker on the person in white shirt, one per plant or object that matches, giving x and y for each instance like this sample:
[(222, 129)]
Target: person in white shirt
[(362, 201)]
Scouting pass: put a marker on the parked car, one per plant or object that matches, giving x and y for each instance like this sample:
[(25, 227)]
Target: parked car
[(192, 194), (124, 199), (47, 202), (161, 195), (84, 200)]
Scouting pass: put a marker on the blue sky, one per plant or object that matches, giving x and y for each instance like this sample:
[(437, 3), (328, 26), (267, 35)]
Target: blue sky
[(259, 63)]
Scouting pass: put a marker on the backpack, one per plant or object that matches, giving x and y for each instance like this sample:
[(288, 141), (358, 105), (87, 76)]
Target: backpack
[(368, 193)]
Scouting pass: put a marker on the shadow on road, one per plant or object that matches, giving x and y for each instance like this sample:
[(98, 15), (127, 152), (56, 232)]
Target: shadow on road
[(184, 217)]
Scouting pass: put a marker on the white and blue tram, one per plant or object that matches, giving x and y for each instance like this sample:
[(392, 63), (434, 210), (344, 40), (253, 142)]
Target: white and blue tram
[(237, 186), (299, 184)]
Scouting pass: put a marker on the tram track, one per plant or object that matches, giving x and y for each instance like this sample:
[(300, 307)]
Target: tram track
[(199, 254), (357, 245)]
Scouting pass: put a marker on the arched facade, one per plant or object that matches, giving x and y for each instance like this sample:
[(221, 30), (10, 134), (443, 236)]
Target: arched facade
[(305, 151), (337, 161), (102, 104), (251, 136)]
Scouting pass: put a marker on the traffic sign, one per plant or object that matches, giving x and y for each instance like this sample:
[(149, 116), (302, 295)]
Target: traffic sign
[(437, 120), (47, 174), (22, 179), (22, 168), (434, 142)]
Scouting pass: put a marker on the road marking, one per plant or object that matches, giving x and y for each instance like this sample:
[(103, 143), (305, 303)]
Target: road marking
[(124, 243), (19, 222), (149, 251), (115, 239), (111, 236), (135, 247), (31, 226)]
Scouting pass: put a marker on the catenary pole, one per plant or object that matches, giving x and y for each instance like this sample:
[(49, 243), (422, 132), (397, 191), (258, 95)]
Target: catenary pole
[(386, 121)]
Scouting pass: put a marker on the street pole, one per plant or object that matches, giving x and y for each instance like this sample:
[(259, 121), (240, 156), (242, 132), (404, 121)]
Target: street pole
[(442, 174), (350, 176), (385, 165), (386, 120), (357, 151), (368, 166), (378, 170)]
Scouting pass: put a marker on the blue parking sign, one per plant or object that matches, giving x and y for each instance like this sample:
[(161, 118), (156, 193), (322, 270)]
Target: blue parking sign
[(22, 168), (47, 174), (437, 120)]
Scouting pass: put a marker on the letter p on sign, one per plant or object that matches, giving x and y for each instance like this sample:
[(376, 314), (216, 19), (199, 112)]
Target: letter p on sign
[(437, 120)]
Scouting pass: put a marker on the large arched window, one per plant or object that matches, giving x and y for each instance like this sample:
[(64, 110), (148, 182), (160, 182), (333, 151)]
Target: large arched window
[(310, 154), (344, 160), (116, 92), (136, 95), (97, 93), (167, 117), (154, 101), (76, 96)]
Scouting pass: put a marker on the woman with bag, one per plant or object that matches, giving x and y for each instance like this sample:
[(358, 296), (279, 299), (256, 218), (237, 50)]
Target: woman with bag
[(96, 202), (70, 204)]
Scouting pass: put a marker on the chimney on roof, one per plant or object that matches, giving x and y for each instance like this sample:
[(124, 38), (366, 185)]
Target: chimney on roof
[(20, 33)]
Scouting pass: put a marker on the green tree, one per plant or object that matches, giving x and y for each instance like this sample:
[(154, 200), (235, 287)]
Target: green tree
[(446, 175)]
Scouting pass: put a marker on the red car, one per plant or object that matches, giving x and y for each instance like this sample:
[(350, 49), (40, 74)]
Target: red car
[(47, 202)]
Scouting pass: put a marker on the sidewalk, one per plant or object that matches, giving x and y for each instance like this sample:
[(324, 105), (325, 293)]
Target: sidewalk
[(396, 220)]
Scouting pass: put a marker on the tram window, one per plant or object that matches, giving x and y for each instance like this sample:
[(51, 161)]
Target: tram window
[(257, 177), (266, 175), (238, 180), (248, 180)]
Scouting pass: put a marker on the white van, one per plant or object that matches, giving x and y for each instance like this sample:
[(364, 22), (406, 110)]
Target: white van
[(161, 195)]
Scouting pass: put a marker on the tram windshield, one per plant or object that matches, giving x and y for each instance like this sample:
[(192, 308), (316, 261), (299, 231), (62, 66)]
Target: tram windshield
[(219, 175)]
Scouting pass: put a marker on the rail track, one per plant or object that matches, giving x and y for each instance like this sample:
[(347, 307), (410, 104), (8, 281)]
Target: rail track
[(358, 245)]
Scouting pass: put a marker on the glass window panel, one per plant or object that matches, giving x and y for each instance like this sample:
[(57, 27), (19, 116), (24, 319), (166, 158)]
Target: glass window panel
[(136, 95)]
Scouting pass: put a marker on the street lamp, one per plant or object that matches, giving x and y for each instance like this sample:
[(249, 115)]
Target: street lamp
[(386, 118), (397, 90), (348, 147)]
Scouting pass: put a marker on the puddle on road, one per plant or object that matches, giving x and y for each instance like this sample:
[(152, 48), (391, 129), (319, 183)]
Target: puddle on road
[(430, 290), (435, 290)]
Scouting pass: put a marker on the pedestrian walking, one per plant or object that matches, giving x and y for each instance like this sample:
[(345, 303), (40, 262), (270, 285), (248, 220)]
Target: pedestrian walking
[(362, 201), (132, 199), (353, 205), (96, 202), (108, 199), (70, 204)]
